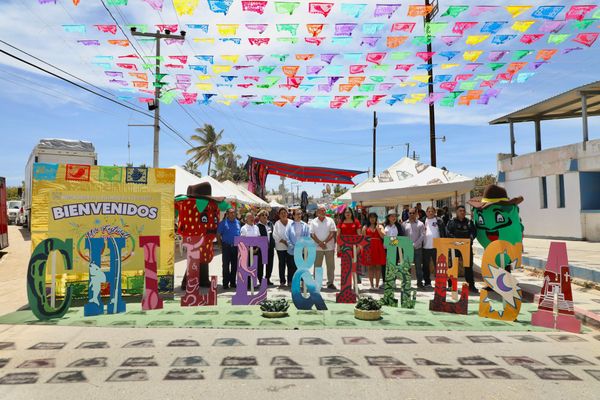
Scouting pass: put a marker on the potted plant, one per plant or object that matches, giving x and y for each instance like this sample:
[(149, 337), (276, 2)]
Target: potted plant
[(274, 308), (367, 309)]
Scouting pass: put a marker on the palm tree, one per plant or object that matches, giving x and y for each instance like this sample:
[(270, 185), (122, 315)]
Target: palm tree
[(220, 170), (228, 153), (192, 167), (209, 145)]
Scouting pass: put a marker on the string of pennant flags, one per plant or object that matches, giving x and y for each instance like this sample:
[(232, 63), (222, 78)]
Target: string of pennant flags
[(350, 56)]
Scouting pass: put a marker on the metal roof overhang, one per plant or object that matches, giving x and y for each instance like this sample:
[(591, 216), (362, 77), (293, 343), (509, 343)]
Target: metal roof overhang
[(564, 105)]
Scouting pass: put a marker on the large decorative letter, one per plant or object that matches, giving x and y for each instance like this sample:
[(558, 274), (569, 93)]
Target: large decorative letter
[(439, 302), (96, 246), (556, 292), (500, 280), (247, 268), (348, 288), (192, 296), (36, 278), (151, 299), (444, 245), (311, 285), (398, 269)]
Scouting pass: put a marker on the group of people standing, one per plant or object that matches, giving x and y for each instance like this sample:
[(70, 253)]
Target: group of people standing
[(420, 226)]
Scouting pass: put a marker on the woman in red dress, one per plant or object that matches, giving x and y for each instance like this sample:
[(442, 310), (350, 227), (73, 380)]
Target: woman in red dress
[(349, 225), (376, 257)]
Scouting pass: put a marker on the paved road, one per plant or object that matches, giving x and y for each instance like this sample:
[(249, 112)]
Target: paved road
[(72, 362), (79, 362)]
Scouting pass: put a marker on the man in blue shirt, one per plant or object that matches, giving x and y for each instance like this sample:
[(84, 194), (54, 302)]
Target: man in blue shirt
[(228, 229)]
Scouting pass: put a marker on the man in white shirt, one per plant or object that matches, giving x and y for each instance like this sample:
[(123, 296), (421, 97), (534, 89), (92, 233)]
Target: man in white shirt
[(249, 229), (434, 228), (322, 231)]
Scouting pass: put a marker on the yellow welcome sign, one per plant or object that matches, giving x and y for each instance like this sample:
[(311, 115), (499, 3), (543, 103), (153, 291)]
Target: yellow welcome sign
[(81, 202)]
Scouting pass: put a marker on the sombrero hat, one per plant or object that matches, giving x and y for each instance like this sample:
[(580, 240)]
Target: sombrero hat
[(494, 194), (202, 191)]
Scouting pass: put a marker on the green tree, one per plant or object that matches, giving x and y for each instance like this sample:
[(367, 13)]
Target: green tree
[(192, 167), (12, 193), (208, 147), (481, 182)]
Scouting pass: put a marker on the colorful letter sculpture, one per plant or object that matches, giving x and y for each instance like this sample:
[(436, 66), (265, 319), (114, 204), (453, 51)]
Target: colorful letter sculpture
[(439, 302), (198, 216), (248, 268), (401, 270), (311, 285), (36, 278), (151, 299), (192, 296), (500, 280), (556, 293), (96, 247), (443, 246), (348, 289)]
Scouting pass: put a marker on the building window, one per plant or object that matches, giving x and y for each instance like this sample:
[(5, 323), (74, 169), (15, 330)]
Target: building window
[(560, 186), (544, 193)]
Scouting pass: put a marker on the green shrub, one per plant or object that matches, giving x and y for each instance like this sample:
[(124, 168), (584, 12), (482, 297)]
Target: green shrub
[(367, 303), (279, 305)]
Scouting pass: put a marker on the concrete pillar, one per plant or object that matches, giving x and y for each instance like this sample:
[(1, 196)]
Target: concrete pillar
[(538, 135), (512, 140), (584, 119)]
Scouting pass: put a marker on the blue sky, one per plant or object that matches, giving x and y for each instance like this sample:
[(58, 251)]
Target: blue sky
[(36, 106)]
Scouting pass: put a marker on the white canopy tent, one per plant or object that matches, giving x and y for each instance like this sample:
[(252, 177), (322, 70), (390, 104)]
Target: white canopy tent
[(346, 197), (275, 204), (230, 191), (244, 195), (408, 181)]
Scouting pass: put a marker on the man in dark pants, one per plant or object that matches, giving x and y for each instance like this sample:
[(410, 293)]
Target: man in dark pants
[(228, 229), (463, 228), (415, 230), (434, 228), (266, 229)]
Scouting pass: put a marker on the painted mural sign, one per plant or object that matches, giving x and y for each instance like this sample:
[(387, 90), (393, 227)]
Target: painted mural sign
[(112, 229)]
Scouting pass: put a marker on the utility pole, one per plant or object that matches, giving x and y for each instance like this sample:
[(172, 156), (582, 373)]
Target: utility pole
[(428, 18), (157, 85), (374, 141)]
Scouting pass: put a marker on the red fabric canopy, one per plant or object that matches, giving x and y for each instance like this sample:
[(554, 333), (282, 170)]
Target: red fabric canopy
[(259, 168)]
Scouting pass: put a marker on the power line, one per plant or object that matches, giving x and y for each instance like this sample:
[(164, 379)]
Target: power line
[(58, 68), (71, 82), (93, 92)]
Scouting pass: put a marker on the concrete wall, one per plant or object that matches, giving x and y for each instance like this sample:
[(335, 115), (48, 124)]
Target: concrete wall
[(553, 222), (522, 176), (591, 225)]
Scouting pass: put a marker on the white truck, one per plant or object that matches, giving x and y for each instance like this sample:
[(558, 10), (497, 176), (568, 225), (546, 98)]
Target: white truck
[(55, 151)]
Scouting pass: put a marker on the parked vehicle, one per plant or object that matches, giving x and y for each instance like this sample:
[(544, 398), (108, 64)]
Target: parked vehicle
[(55, 151), (3, 215), (14, 210)]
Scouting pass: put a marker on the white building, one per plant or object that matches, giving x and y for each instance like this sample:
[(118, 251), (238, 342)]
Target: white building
[(561, 185)]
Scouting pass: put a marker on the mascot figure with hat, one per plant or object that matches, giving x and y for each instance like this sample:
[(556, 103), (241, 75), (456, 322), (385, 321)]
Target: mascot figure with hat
[(197, 216), (500, 232)]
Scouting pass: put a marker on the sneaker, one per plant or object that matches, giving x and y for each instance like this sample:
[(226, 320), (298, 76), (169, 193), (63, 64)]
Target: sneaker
[(269, 283), (233, 286), (473, 289), (331, 286), (225, 287)]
